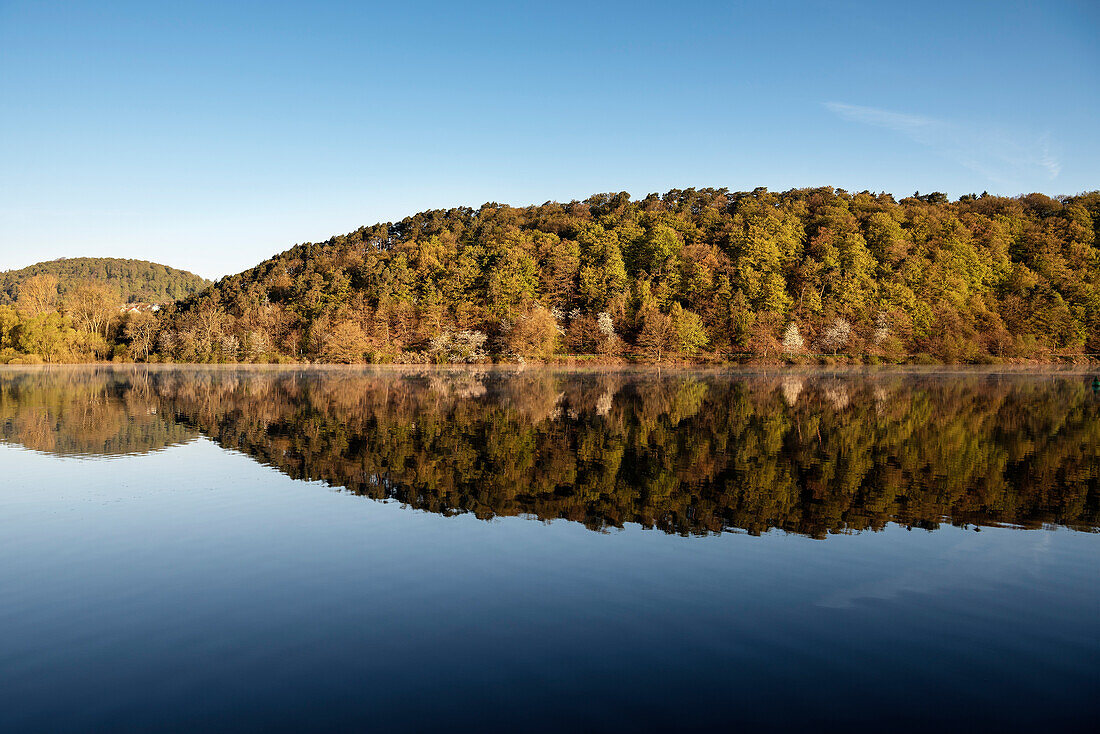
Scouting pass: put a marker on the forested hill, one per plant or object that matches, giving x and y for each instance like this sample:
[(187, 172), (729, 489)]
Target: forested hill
[(689, 273), (132, 280)]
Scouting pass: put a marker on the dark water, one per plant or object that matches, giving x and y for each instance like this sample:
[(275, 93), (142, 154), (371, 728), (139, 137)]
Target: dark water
[(456, 550)]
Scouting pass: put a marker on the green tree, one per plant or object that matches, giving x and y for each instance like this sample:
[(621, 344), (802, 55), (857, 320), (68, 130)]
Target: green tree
[(690, 334)]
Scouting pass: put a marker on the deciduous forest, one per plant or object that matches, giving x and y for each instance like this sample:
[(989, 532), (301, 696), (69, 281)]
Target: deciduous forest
[(693, 275)]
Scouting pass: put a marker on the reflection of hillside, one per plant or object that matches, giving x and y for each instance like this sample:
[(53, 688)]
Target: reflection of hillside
[(85, 412), (806, 453)]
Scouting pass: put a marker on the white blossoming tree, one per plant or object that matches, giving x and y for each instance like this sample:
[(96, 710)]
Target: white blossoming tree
[(793, 343), (836, 336)]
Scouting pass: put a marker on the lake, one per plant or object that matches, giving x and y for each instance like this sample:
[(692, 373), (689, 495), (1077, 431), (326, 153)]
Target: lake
[(542, 550)]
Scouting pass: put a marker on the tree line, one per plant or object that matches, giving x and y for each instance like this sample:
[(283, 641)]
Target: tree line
[(702, 274)]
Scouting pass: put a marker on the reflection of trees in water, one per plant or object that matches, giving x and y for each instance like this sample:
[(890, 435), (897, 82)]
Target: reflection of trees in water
[(805, 452), (687, 453), (791, 387), (85, 412)]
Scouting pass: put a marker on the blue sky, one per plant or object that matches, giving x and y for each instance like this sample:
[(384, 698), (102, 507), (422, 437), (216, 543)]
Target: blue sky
[(211, 136)]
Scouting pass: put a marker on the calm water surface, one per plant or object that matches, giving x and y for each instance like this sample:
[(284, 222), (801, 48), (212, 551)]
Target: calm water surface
[(231, 549)]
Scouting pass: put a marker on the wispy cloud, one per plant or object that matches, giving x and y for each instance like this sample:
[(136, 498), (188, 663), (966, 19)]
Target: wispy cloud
[(972, 561), (998, 155)]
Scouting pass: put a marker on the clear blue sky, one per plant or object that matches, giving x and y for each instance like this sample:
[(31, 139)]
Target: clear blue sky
[(211, 136)]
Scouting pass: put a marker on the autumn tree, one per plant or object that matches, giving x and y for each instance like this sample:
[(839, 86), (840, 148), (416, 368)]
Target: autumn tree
[(140, 329), (37, 295), (93, 307), (535, 334), (344, 342), (762, 339), (659, 336)]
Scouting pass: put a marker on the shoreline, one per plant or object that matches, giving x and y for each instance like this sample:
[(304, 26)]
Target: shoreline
[(595, 360), (1084, 368)]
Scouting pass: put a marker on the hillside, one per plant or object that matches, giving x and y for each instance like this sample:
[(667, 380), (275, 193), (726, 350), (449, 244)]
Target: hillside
[(133, 280), (683, 275)]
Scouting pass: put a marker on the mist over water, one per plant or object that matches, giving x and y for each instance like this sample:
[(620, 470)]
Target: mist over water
[(252, 549)]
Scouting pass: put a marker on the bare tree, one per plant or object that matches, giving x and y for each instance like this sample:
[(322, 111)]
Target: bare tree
[(141, 330), (93, 307), (37, 295)]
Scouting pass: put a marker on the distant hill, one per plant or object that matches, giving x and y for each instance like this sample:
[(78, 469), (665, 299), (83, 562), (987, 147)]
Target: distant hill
[(134, 280)]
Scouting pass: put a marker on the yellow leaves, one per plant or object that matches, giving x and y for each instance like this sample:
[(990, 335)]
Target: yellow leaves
[(37, 295)]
